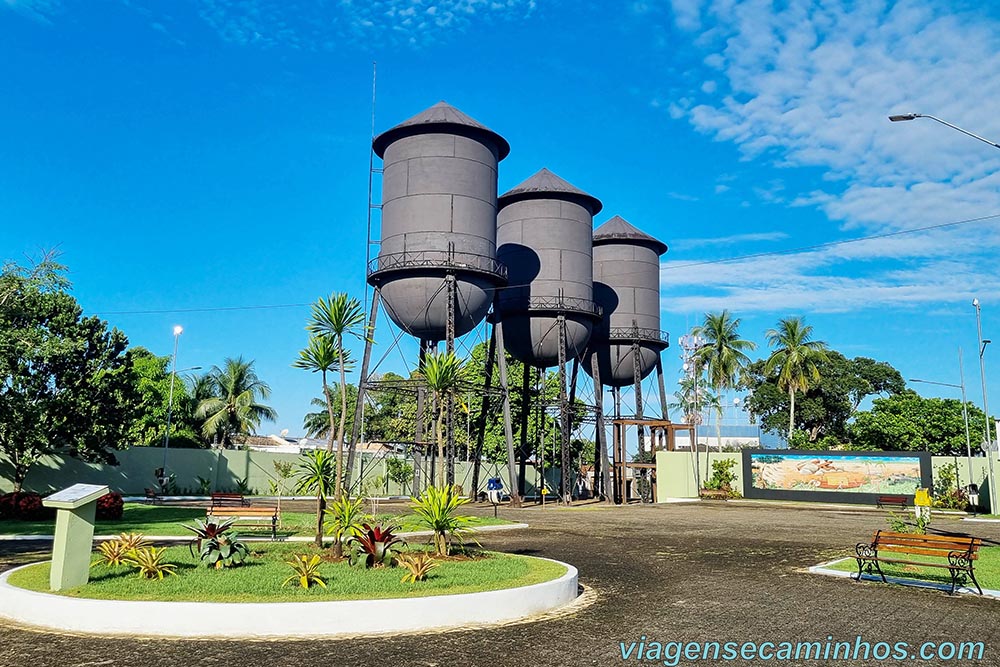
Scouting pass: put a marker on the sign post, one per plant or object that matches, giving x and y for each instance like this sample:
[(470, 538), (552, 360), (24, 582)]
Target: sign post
[(76, 507)]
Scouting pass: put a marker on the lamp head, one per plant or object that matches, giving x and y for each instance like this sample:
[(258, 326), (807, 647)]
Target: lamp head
[(975, 302), (178, 330), (903, 116)]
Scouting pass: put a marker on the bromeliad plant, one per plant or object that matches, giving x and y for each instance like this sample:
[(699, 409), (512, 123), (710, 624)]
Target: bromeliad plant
[(150, 562), (376, 546), (224, 550), (346, 519), (113, 553), (206, 530), (418, 564), (437, 509), (306, 571)]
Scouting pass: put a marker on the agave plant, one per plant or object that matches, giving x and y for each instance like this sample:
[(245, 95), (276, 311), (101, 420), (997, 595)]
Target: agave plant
[(224, 550), (417, 565), (207, 530), (113, 553), (376, 546), (150, 562), (306, 571), (437, 509)]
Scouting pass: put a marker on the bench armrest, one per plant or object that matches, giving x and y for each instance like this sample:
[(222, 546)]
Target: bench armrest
[(962, 559), (866, 550)]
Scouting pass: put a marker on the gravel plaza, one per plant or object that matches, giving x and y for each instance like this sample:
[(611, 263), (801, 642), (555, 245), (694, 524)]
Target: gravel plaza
[(691, 572)]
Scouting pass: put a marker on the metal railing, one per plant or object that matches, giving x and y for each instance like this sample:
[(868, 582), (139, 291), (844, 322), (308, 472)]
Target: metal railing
[(438, 259), (636, 334), (559, 304)]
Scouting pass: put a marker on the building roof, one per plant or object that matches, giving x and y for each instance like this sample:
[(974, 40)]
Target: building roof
[(441, 118), (546, 185), (619, 230)]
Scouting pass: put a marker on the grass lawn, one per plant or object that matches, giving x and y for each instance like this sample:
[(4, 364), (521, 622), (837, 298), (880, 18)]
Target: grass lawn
[(162, 520), (260, 578), (987, 569)]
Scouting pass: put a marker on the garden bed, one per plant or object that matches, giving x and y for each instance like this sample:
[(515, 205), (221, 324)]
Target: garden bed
[(260, 577)]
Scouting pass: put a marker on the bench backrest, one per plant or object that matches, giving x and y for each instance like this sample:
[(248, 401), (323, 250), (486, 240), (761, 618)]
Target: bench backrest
[(926, 545), (227, 496), (243, 512)]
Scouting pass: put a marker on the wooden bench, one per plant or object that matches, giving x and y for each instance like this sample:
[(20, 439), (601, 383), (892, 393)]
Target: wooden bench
[(152, 496), (229, 500), (898, 501), (959, 551), (252, 517)]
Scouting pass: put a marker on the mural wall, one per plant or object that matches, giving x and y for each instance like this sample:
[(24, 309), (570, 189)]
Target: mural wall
[(854, 477)]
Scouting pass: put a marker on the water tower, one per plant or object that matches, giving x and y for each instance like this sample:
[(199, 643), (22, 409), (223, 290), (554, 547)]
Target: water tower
[(625, 346), (545, 238)]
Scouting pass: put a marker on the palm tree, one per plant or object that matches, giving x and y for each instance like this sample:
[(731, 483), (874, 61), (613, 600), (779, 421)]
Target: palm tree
[(724, 353), (443, 372), (322, 356), (314, 472), (335, 318), (233, 409), (795, 356), (317, 424)]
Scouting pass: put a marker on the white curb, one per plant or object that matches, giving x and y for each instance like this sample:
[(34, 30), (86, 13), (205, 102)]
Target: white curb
[(917, 583), (282, 619)]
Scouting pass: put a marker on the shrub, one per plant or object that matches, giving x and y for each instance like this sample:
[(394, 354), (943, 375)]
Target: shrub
[(110, 507), (306, 571), (150, 562), (374, 547), (346, 518), (417, 564), (723, 478), (206, 530), (24, 507), (113, 553), (133, 541), (224, 550), (437, 509)]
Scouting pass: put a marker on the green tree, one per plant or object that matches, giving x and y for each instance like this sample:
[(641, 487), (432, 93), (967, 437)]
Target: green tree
[(66, 381), (317, 424), (322, 356), (794, 358), (723, 355), (233, 409), (823, 411), (443, 372), (153, 385), (334, 318), (314, 472), (910, 422)]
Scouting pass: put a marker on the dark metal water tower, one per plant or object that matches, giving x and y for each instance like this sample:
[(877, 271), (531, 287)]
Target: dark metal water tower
[(437, 265), (436, 271), (628, 341), (545, 238), (625, 346), (547, 311)]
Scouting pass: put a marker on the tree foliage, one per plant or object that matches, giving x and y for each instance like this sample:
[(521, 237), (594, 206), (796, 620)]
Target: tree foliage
[(152, 377), (66, 382), (234, 408), (910, 422), (824, 409)]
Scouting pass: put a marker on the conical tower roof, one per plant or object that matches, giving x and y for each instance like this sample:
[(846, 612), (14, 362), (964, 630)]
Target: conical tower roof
[(619, 230), (441, 118), (546, 185)]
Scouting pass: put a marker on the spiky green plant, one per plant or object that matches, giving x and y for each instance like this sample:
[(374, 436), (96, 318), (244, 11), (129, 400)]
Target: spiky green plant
[(443, 372), (133, 541), (345, 519), (112, 553), (150, 562), (306, 571), (224, 550), (437, 510), (417, 564), (376, 546)]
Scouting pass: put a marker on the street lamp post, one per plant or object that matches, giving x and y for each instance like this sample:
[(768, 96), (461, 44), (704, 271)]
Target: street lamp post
[(178, 330), (983, 342), (913, 116)]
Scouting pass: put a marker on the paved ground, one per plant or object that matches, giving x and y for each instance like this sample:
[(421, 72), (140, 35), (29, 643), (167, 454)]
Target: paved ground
[(701, 572)]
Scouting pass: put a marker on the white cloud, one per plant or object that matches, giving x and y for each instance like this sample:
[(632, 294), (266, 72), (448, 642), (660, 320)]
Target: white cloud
[(313, 26), (756, 237), (38, 10), (810, 84)]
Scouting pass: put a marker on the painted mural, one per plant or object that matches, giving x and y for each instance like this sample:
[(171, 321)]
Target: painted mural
[(851, 474)]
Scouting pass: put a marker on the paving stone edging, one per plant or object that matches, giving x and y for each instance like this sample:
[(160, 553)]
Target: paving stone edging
[(278, 620)]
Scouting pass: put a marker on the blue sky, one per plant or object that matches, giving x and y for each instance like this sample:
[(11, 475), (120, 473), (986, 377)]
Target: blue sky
[(214, 154)]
